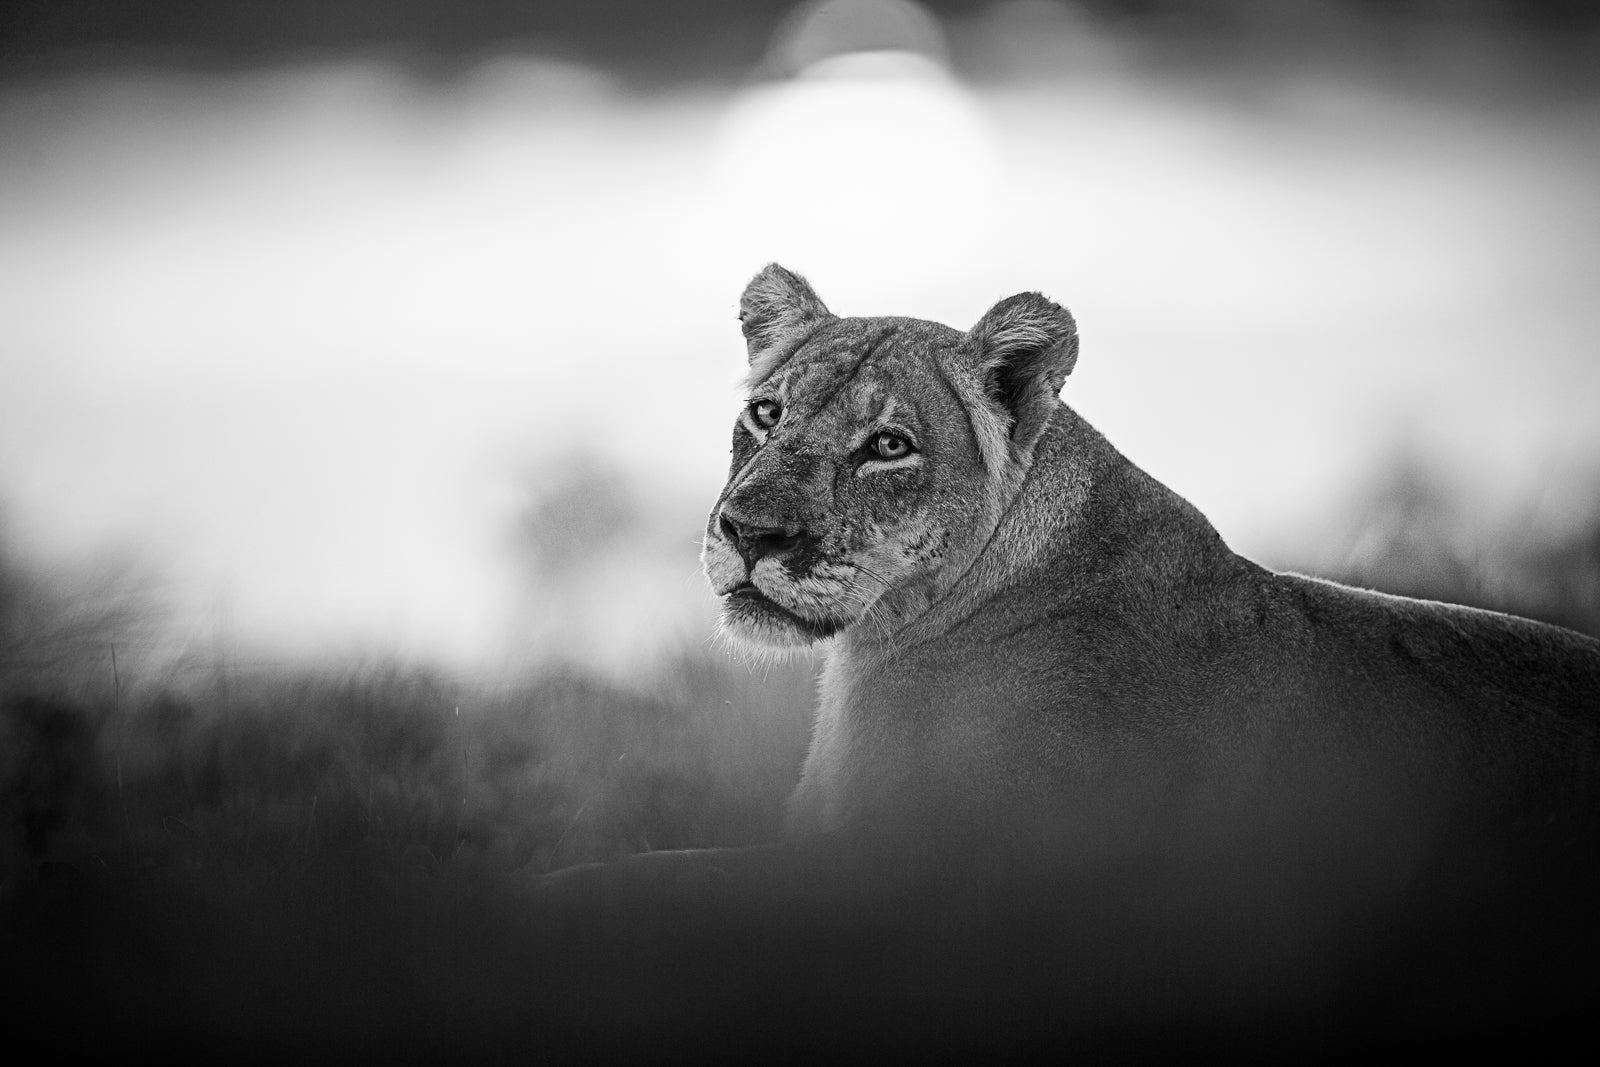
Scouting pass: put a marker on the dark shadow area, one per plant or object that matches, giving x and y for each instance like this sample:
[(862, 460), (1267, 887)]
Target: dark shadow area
[(1236, 942)]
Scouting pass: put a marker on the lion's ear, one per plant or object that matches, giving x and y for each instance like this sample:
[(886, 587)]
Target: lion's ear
[(777, 304), (1024, 347)]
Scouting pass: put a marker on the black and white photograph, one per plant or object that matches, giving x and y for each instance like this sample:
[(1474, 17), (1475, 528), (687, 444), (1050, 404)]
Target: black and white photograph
[(612, 531)]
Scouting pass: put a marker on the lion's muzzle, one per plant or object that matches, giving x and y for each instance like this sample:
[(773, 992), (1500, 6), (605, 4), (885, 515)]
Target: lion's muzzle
[(754, 542)]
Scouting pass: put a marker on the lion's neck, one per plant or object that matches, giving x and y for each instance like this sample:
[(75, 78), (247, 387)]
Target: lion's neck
[(1086, 553), (1080, 511)]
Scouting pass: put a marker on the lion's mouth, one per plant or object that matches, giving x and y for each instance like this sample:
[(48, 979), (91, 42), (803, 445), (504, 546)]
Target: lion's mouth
[(747, 598)]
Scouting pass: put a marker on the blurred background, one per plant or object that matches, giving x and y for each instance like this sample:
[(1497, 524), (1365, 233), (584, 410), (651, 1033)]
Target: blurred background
[(407, 327), (367, 368)]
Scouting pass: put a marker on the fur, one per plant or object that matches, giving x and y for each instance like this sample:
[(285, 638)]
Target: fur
[(1023, 621)]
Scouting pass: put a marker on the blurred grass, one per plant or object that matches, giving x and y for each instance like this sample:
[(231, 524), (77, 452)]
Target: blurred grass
[(1412, 537), (395, 767)]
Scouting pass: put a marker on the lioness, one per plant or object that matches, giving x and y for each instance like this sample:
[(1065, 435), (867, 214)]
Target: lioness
[(1021, 620), (1080, 773)]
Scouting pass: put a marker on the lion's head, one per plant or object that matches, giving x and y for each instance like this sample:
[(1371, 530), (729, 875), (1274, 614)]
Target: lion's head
[(873, 457)]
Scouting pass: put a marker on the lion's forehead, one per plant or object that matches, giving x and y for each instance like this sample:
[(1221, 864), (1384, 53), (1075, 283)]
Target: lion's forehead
[(861, 370)]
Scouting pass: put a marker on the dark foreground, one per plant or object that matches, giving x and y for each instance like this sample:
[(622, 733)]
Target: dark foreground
[(347, 869), (1216, 947)]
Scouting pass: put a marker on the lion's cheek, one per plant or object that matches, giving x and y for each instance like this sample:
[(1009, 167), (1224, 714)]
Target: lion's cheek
[(916, 543), (827, 592), (812, 594)]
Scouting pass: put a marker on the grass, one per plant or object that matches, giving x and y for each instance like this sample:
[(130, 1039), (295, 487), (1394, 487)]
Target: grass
[(336, 860), (299, 767)]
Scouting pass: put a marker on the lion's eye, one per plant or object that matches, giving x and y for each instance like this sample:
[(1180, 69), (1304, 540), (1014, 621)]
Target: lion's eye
[(890, 445), (766, 413)]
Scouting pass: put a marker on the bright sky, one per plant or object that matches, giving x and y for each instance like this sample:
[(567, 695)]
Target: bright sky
[(299, 336)]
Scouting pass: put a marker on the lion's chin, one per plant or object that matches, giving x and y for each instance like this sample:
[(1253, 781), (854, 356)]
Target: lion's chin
[(755, 618)]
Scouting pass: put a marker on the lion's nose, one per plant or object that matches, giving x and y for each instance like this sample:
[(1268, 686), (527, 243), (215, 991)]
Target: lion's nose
[(756, 542)]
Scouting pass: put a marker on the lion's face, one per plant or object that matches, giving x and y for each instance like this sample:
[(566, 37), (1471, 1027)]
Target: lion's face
[(872, 458), (856, 475)]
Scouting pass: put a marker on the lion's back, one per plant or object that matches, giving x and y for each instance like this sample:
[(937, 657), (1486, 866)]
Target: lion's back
[(1479, 696), (1465, 655)]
